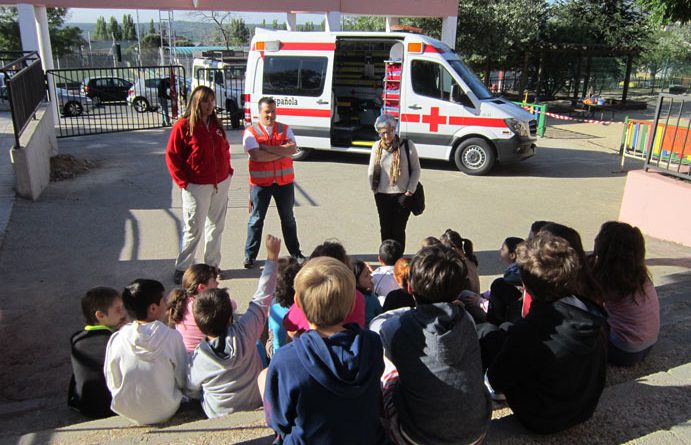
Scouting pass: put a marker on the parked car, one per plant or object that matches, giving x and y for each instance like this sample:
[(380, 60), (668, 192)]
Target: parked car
[(143, 94), (105, 89), (71, 104)]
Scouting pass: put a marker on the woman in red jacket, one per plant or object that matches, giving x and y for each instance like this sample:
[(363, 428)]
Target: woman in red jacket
[(198, 158)]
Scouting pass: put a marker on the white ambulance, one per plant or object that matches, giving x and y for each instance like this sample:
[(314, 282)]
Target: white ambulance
[(329, 88)]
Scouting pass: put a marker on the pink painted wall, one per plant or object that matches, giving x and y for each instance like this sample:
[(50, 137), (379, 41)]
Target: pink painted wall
[(400, 8), (658, 205)]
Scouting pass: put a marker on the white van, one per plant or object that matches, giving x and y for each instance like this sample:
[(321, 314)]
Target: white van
[(227, 81), (441, 105)]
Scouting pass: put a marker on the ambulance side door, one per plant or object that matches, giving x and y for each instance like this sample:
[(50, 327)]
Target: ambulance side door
[(299, 78), (428, 115)]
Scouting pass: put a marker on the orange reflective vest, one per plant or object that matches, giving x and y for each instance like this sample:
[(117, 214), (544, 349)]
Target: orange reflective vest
[(266, 173)]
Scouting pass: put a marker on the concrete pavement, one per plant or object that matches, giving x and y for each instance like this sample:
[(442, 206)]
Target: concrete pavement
[(120, 221)]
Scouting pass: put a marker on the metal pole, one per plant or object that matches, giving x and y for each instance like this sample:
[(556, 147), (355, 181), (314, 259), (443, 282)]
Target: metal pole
[(170, 41), (91, 57), (139, 40)]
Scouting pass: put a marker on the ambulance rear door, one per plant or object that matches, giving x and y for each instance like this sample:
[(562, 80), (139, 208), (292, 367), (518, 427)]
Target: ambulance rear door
[(298, 75)]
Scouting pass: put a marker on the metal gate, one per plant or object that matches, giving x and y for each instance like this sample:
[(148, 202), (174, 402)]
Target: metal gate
[(669, 146), (228, 84), (107, 100)]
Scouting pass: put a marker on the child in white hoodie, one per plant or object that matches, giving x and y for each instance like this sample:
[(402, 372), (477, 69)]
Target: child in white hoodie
[(145, 360), (224, 367)]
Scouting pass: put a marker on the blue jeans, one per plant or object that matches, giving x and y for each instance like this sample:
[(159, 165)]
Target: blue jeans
[(260, 198)]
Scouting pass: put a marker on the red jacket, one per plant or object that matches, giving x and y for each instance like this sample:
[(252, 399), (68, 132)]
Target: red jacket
[(203, 158)]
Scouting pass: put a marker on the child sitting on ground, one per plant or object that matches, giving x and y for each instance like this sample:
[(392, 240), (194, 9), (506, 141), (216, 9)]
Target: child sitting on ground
[(196, 279), (400, 298), (436, 394), (284, 297), (383, 279), (224, 367), (506, 292), (551, 364), (295, 321), (630, 297), (146, 360), (464, 249), (104, 313), (323, 387), (363, 283)]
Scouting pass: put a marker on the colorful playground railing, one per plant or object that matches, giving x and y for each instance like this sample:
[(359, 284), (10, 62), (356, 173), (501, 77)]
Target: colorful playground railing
[(672, 143), (538, 111)]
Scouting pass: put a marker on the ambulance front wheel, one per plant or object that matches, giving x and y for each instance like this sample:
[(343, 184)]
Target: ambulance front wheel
[(302, 154), (474, 156)]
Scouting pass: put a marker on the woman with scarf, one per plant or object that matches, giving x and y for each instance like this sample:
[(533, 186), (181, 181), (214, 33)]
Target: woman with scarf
[(392, 181)]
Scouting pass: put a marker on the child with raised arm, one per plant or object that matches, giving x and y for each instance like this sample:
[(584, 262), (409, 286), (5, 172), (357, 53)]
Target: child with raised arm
[(104, 314), (146, 360), (436, 393), (224, 367), (323, 387)]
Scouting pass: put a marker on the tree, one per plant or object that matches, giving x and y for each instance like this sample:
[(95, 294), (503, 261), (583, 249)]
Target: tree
[(64, 40), (239, 32), (668, 11), (9, 29), (101, 30), (114, 29), (364, 23), (152, 27), (129, 31), (221, 32), (669, 52)]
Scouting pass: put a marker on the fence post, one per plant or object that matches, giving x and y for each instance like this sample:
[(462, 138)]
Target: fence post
[(541, 122)]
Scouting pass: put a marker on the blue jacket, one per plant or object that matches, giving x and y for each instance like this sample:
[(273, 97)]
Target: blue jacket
[(326, 390)]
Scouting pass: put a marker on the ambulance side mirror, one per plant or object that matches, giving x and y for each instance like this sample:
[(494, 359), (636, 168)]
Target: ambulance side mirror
[(459, 97)]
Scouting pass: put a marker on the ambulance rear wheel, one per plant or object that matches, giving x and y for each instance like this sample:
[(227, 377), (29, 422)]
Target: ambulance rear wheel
[(302, 154), (474, 156)]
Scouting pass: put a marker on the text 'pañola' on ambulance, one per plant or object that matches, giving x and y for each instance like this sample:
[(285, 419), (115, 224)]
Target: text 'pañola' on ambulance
[(329, 88)]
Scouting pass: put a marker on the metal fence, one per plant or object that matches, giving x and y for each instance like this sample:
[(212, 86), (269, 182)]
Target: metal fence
[(107, 100), (24, 88), (669, 144)]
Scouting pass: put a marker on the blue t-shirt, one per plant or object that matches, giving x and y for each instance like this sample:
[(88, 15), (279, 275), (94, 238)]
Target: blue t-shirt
[(276, 315)]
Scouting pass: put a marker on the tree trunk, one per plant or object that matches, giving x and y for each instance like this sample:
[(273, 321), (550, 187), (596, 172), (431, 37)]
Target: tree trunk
[(524, 73)]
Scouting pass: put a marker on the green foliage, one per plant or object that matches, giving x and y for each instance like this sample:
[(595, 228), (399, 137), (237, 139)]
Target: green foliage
[(114, 29), (129, 31), (364, 23), (152, 27), (239, 32), (668, 11), (9, 30), (668, 52), (151, 41), (66, 41), (101, 31)]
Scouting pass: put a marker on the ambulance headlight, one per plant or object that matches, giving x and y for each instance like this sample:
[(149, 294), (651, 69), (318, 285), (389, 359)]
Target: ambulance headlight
[(516, 126)]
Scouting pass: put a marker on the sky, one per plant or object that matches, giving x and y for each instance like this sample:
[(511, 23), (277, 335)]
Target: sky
[(80, 15)]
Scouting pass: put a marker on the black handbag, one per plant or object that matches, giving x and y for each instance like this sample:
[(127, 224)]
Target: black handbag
[(416, 203)]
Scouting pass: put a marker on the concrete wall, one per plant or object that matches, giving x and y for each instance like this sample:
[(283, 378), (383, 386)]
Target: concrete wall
[(32, 161), (660, 206)]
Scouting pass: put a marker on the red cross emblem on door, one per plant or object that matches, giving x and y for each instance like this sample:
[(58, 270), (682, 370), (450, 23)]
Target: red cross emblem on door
[(433, 119)]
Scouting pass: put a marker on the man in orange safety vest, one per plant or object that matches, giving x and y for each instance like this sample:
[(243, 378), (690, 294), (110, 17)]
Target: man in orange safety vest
[(270, 146)]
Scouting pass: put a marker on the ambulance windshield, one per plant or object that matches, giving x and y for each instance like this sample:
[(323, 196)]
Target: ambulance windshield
[(470, 79)]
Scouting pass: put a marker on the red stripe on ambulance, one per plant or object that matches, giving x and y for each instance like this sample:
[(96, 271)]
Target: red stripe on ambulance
[(409, 117), (307, 46), (477, 121), (306, 112)]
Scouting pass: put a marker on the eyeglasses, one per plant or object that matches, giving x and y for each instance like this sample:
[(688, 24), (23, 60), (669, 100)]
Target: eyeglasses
[(385, 132)]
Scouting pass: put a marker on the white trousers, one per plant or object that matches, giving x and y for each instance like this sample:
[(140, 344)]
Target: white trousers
[(203, 206)]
